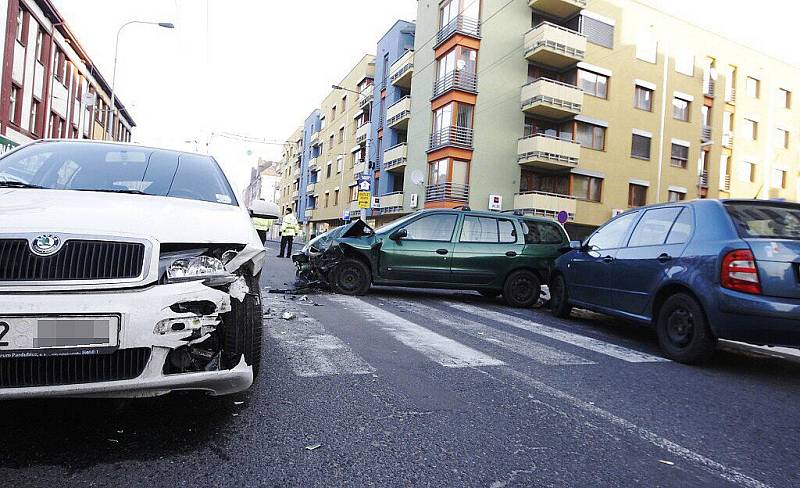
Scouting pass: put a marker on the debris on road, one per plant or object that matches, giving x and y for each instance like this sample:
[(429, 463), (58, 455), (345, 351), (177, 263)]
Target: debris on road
[(304, 298), (238, 403), (114, 441), (668, 463), (313, 447), (288, 316)]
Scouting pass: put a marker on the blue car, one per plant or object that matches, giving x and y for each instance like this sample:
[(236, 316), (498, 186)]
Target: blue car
[(698, 271)]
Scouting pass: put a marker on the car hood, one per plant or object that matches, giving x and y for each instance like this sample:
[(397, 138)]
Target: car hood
[(163, 219)]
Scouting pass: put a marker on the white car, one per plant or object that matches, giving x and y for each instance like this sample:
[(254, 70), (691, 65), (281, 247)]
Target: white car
[(125, 271)]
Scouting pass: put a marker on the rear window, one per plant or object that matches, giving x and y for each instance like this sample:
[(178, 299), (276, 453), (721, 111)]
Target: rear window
[(766, 221), (542, 233)]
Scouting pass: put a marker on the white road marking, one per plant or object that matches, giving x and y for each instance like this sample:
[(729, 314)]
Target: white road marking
[(718, 469), (516, 344), (311, 352), (577, 340), (437, 348)]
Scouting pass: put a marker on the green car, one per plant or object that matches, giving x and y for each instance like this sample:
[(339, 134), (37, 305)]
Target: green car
[(492, 253)]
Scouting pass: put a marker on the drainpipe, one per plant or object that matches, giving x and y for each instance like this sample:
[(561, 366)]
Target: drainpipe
[(663, 123)]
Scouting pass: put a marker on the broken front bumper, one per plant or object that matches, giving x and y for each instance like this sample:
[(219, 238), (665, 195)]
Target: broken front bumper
[(143, 315)]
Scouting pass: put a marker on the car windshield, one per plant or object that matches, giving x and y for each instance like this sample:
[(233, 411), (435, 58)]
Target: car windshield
[(115, 168), (766, 221)]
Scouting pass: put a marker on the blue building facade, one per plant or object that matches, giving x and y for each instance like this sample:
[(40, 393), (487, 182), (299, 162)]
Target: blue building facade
[(311, 150)]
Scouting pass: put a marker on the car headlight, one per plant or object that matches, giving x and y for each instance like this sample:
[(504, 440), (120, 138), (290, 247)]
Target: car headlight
[(195, 268)]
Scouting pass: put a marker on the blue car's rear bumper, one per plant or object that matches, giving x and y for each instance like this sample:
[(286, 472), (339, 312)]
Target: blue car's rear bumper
[(756, 319)]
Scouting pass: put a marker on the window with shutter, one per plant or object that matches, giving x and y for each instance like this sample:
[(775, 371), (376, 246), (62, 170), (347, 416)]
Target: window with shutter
[(598, 32)]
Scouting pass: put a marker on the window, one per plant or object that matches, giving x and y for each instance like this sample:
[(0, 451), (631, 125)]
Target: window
[(680, 109), (753, 87), (751, 129), (339, 164), (653, 228), (592, 83), (480, 229), (344, 103), (784, 98), (15, 100), (438, 172), (765, 220), (684, 63), (610, 235), (643, 98), (647, 48), (335, 198), (778, 178), (640, 147), (354, 193), (587, 188), (680, 155), (637, 195), (537, 232), (341, 134), (436, 227), (747, 172), (682, 228), (781, 139), (39, 44), (333, 113), (33, 124), (451, 9), (328, 170), (21, 28), (508, 233), (730, 84), (458, 60), (676, 196), (597, 31), (330, 143), (591, 136), (705, 114)]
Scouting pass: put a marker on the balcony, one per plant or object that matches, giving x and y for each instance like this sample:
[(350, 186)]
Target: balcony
[(708, 88), (447, 192), (558, 8), (391, 203), (555, 46), (310, 188), (395, 157), (730, 95), (551, 99), (402, 71), (295, 194), (726, 183), (702, 179), (366, 96), (460, 25), (456, 80), (315, 138), (549, 152), (705, 133), (362, 133), (312, 163), (398, 115), (309, 213), (546, 204), (451, 136), (360, 167), (727, 139)]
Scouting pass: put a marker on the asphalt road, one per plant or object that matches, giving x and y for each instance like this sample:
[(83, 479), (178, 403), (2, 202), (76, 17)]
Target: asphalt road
[(426, 388)]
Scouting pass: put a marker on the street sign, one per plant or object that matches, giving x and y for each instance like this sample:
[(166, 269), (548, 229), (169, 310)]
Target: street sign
[(346, 215), (364, 183), (495, 203), (563, 217), (364, 199)]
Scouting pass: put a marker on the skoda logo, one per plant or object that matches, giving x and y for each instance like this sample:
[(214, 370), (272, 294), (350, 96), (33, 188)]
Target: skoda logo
[(45, 245)]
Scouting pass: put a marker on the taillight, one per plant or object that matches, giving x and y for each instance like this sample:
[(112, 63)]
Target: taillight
[(739, 272)]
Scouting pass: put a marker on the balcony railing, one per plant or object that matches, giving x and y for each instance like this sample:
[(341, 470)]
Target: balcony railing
[(366, 96), (459, 25), (558, 8), (708, 88), (354, 206), (550, 98), (730, 95), (310, 187), (726, 182), (398, 112), (703, 179), (362, 133), (456, 80), (295, 194), (391, 202), (548, 151), (360, 167), (727, 139), (395, 157), (309, 213), (402, 70), (553, 45), (705, 133), (546, 204), (447, 192), (312, 163), (452, 136)]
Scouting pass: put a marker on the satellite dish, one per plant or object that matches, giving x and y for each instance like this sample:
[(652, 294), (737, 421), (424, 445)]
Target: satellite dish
[(417, 178)]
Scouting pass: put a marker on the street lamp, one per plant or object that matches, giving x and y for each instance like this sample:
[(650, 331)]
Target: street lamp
[(165, 25)]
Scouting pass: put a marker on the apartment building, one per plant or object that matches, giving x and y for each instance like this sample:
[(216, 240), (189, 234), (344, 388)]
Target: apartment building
[(289, 168), (585, 108), (50, 87)]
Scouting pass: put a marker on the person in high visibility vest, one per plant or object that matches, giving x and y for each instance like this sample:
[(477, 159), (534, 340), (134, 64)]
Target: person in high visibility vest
[(289, 229), (262, 227)]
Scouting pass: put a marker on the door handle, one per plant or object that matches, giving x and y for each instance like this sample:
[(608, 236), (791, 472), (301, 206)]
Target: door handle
[(608, 259), (441, 251), (511, 254), (664, 258)]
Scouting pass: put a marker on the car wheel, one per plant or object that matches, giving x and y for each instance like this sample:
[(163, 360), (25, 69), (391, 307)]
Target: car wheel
[(351, 277), (683, 332), (559, 299), (490, 293), (243, 327), (522, 289)]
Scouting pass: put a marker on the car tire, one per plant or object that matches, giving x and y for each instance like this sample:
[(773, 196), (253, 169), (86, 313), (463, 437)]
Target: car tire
[(522, 289), (683, 331), (243, 328), (490, 293), (559, 298), (351, 277)]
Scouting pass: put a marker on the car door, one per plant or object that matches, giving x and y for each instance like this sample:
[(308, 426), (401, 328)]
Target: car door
[(424, 255), (543, 244), (588, 273), (650, 257), (485, 250)]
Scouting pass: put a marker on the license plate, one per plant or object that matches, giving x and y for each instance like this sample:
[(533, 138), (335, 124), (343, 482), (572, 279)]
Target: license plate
[(56, 334)]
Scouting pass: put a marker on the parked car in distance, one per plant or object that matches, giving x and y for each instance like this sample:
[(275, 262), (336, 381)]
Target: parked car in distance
[(492, 253), (698, 271), (125, 271)]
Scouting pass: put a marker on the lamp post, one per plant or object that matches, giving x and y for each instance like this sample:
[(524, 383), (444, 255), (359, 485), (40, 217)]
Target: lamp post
[(165, 25)]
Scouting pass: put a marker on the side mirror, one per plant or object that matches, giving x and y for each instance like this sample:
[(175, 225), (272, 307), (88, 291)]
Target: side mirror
[(398, 234), (575, 245), (264, 210)]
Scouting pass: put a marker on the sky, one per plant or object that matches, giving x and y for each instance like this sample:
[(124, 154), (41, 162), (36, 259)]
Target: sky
[(259, 67)]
